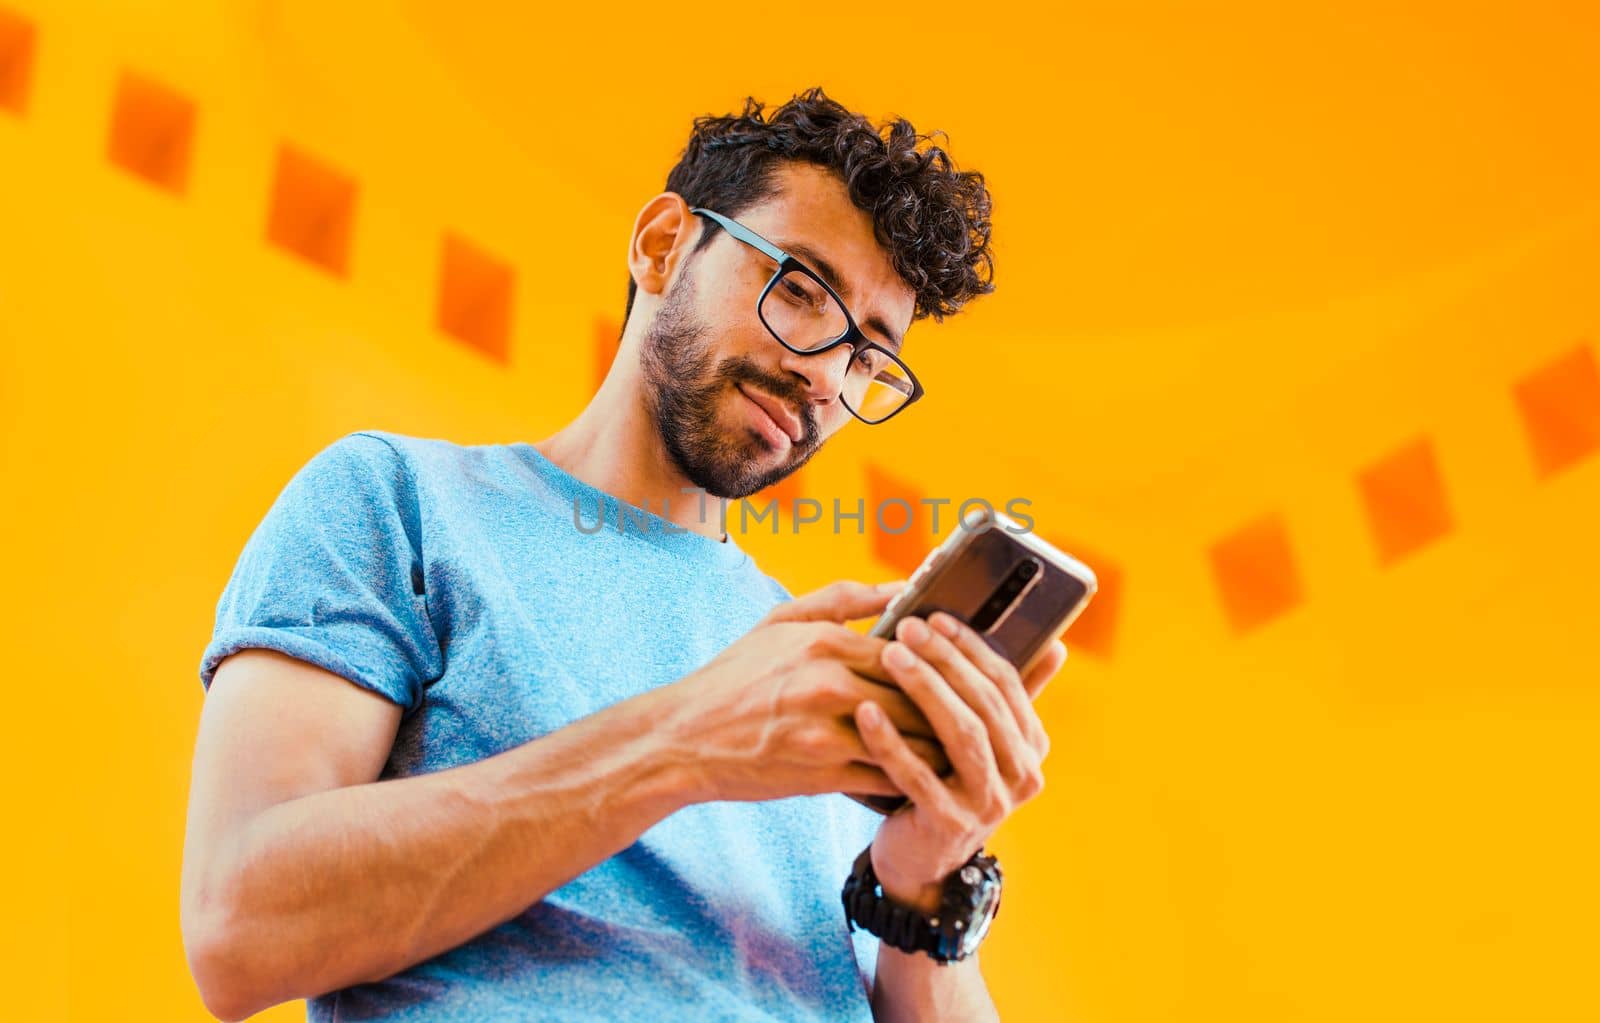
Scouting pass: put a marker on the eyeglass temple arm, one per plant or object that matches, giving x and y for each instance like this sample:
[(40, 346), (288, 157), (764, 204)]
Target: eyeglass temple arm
[(743, 233)]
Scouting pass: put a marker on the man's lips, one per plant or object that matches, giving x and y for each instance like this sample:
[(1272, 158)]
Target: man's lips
[(777, 411)]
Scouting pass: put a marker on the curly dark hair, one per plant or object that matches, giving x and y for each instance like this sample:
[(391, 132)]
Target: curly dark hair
[(931, 218)]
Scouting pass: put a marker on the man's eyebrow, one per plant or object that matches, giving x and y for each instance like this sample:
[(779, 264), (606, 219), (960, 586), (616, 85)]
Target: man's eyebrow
[(818, 262)]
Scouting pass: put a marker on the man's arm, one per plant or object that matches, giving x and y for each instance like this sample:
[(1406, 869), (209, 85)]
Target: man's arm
[(302, 874), (910, 986)]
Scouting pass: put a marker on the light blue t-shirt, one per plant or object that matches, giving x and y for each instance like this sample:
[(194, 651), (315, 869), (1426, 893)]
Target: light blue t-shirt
[(454, 581)]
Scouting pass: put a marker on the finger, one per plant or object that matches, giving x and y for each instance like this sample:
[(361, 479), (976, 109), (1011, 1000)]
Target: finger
[(845, 686), (907, 718), (1007, 682), (957, 726), (898, 762), (980, 690), (866, 780), (930, 753), (843, 740), (842, 601), (861, 654), (926, 750), (1044, 668)]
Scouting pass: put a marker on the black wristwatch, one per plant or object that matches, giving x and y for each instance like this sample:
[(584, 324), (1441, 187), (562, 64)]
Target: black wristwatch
[(970, 900)]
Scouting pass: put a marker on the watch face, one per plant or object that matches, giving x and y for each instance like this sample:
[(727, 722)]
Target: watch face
[(987, 899)]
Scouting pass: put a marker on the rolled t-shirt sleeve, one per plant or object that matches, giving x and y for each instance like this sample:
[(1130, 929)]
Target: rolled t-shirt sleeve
[(333, 575)]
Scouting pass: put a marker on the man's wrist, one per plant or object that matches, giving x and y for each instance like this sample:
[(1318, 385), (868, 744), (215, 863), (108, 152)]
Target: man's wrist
[(925, 897)]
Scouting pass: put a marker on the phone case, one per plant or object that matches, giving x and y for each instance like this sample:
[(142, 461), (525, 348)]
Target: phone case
[(959, 577)]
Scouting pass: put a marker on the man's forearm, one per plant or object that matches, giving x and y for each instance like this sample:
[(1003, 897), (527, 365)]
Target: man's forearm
[(912, 986), (355, 884)]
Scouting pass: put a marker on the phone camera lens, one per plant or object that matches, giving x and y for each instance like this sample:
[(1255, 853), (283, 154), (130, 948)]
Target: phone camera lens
[(987, 615), (1028, 569)]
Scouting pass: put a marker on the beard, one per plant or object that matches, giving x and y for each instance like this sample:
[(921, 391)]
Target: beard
[(686, 387)]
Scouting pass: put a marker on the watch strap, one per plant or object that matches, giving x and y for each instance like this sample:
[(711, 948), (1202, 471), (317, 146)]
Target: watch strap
[(898, 926)]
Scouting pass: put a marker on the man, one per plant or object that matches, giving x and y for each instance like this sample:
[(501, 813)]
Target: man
[(461, 759)]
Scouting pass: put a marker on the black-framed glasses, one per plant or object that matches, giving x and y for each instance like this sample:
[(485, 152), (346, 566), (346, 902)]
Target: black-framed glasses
[(808, 318)]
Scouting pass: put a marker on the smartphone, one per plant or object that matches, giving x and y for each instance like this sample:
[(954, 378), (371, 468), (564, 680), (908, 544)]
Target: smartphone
[(1012, 587)]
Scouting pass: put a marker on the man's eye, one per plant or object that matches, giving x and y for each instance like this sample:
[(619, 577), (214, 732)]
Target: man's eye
[(795, 290)]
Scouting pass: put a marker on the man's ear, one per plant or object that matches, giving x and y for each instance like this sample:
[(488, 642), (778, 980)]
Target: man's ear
[(662, 235)]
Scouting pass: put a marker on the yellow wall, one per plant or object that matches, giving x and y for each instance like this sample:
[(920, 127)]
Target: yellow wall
[(1253, 266)]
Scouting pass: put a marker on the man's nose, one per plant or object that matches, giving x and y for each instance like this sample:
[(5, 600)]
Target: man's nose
[(824, 373)]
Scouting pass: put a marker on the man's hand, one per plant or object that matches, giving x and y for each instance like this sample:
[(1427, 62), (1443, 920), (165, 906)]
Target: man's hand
[(981, 710), (771, 716)]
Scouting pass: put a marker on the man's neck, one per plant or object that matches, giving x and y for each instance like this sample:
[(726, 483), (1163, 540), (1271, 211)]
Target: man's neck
[(621, 453)]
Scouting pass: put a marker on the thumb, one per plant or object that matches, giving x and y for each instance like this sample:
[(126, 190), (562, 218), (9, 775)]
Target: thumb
[(1043, 668), (837, 602)]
